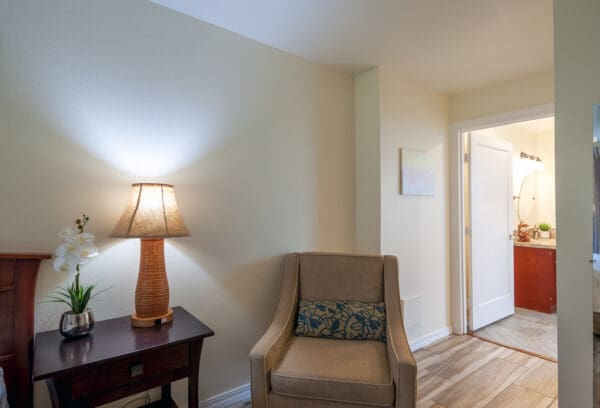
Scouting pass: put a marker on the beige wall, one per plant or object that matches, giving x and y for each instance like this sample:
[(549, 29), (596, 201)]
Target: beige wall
[(367, 146), (546, 180), (415, 229), (259, 145), (393, 112), (577, 62), (508, 96)]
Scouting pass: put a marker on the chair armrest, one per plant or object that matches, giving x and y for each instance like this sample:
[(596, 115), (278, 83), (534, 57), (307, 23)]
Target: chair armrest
[(402, 362), (267, 352)]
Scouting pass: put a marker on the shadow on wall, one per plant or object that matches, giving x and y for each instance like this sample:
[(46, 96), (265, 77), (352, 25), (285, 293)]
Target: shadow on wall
[(243, 211), (244, 208), (229, 288), (259, 146), (237, 300)]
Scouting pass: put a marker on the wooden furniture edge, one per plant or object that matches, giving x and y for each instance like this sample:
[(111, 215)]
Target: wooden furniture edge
[(23, 268), (73, 388), (58, 373), (25, 256)]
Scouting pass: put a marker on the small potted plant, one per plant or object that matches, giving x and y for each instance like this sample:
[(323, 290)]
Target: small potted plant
[(545, 230), (77, 249)]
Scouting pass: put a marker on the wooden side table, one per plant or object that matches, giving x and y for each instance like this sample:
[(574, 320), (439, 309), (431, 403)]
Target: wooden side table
[(117, 360)]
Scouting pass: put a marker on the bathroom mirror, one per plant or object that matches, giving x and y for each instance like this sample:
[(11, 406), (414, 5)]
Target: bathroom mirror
[(526, 198)]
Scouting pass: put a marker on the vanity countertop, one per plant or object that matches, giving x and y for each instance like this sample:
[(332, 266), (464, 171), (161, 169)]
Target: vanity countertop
[(549, 243)]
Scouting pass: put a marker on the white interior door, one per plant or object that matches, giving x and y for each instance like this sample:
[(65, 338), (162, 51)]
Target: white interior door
[(491, 189)]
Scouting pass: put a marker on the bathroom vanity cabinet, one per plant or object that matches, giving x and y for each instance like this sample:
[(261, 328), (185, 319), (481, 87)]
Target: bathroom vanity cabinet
[(535, 277)]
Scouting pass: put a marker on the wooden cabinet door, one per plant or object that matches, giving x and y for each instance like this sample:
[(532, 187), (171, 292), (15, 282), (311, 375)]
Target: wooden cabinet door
[(535, 279)]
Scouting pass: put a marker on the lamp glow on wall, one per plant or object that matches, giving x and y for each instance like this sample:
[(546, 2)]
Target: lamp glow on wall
[(151, 215)]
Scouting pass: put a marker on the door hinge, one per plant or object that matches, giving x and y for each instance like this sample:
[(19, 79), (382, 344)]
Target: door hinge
[(467, 230), (466, 157)]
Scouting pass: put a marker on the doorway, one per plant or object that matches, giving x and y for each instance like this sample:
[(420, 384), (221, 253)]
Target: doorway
[(507, 270)]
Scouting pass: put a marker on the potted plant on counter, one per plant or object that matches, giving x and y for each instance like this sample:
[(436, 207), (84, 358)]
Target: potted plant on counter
[(545, 230)]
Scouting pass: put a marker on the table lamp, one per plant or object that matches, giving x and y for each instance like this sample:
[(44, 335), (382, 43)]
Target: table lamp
[(151, 215)]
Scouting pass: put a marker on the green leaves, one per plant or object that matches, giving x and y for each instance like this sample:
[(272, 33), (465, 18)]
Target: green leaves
[(544, 226), (77, 295)]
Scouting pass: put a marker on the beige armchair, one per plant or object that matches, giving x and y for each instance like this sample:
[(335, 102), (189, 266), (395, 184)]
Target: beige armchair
[(306, 372)]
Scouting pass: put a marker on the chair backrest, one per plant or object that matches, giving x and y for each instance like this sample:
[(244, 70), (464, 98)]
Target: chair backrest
[(325, 276)]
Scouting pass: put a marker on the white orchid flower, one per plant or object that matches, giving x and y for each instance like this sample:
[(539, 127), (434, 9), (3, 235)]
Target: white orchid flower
[(77, 249), (86, 239), (89, 252), (69, 234), (65, 264)]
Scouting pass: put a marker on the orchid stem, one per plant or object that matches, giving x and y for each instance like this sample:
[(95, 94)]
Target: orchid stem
[(77, 279)]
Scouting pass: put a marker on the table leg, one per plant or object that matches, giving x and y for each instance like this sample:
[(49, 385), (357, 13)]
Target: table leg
[(60, 392), (165, 392), (195, 350)]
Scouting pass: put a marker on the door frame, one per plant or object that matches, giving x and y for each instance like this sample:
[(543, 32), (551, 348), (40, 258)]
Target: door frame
[(458, 278)]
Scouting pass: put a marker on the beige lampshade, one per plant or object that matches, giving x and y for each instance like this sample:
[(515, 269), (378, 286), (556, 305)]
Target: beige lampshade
[(151, 213)]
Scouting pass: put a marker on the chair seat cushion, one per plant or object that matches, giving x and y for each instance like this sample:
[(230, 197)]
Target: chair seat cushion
[(355, 372)]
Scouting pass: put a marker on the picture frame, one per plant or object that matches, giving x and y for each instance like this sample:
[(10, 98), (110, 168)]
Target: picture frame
[(416, 173)]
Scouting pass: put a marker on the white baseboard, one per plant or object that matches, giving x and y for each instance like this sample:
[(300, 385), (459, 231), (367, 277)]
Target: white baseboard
[(432, 337), (237, 395)]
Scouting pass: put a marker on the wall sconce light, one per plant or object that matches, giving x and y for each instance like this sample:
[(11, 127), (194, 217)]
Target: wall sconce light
[(532, 163)]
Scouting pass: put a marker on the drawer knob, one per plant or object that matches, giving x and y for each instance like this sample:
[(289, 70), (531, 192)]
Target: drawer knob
[(137, 369)]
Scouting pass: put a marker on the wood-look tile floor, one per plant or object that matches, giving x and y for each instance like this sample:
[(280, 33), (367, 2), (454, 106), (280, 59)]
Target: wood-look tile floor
[(527, 330), (466, 372)]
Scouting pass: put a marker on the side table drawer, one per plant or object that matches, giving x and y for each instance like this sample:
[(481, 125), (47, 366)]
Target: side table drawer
[(104, 376)]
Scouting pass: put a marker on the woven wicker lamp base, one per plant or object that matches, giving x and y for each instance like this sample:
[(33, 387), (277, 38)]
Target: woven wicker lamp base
[(152, 290), (137, 321)]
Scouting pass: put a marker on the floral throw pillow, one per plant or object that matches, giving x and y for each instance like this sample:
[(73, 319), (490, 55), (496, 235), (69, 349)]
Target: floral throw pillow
[(341, 320)]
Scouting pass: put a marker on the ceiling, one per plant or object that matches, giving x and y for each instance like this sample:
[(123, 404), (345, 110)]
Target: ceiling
[(449, 46)]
